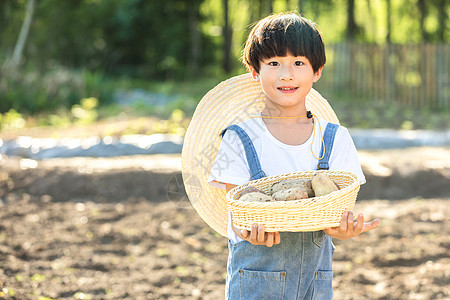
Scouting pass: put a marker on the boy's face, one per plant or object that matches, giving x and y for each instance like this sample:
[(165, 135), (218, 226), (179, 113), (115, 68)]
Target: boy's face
[(286, 80)]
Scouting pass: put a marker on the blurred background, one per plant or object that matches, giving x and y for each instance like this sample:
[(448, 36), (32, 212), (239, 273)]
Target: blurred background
[(96, 97), (165, 55)]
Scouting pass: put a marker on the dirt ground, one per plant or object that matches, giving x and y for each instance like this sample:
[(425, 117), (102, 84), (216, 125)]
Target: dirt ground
[(120, 228)]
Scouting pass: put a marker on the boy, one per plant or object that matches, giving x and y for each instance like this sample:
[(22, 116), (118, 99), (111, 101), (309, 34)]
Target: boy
[(285, 54)]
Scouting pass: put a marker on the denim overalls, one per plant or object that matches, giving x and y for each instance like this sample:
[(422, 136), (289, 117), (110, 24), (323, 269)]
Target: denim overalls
[(297, 268)]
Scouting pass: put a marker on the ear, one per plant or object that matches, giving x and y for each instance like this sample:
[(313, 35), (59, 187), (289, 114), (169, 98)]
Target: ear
[(317, 75), (255, 74)]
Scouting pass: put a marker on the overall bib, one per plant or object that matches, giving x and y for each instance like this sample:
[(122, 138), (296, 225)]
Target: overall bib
[(297, 268)]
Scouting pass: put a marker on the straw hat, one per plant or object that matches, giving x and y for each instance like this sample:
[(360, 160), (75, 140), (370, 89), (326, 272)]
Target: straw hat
[(230, 102)]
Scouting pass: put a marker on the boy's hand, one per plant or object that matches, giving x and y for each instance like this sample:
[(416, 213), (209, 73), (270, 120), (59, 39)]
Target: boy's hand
[(349, 228), (258, 236)]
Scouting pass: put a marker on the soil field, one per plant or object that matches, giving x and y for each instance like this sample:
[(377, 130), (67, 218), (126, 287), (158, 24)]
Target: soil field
[(122, 229)]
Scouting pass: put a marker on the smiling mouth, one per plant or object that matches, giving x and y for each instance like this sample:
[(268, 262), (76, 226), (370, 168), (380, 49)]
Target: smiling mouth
[(287, 88)]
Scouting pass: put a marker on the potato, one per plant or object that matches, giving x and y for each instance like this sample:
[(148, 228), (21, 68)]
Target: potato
[(323, 185), (250, 189), (256, 197), (305, 184), (295, 193)]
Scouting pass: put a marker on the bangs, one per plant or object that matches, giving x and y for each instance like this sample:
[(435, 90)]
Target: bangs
[(284, 35), (279, 40)]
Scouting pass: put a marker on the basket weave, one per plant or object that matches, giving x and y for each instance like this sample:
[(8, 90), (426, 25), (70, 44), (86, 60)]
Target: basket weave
[(299, 215)]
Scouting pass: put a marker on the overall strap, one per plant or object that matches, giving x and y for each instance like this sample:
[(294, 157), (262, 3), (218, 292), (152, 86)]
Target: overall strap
[(250, 152), (328, 138)]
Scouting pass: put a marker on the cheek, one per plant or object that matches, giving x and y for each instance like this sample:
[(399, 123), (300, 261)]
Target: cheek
[(267, 79), (265, 88)]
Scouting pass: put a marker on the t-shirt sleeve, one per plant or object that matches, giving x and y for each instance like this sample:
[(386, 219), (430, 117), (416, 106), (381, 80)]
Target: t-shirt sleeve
[(230, 165), (344, 156)]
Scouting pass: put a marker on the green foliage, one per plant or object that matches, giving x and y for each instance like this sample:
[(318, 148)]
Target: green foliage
[(38, 278), (133, 37), (156, 38), (85, 113), (174, 117), (75, 47), (11, 120), (33, 92)]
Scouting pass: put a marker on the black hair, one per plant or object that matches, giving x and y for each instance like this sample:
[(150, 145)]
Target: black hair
[(283, 34)]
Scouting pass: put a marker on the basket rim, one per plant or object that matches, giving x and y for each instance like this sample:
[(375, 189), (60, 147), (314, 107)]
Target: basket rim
[(231, 202)]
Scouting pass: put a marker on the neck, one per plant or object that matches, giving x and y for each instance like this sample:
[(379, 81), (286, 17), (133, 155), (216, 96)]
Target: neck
[(286, 116)]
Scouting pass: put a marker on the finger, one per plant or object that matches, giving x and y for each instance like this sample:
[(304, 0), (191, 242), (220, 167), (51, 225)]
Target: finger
[(277, 238), (244, 233), (350, 221), (328, 230), (261, 234), (270, 239), (375, 223), (359, 224), (344, 221), (371, 225), (253, 234)]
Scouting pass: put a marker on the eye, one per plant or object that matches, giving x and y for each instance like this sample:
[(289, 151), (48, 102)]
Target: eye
[(273, 63), (299, 63)]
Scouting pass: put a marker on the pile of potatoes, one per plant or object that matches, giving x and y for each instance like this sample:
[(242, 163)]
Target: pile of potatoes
[(291, 189)]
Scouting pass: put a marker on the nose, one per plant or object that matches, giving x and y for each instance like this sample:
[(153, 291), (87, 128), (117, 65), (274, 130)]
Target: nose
[(287, 73)]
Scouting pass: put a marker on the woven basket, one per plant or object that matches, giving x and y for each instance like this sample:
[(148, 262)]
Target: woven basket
[(299, 215)]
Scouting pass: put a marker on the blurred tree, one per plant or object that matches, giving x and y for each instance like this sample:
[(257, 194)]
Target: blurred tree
[(300, 6), (425, 10), (72, 44), (318, 7), (260, 9), (227, 36), (442, 7), (351, 23), (388, 21), (287, 5), (421, 5), (181, 38), (14, 61), (127, 37), (195, 50), (253, 14), (11, 16)]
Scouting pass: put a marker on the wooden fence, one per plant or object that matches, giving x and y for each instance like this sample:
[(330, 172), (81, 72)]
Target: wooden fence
[(415, 75)]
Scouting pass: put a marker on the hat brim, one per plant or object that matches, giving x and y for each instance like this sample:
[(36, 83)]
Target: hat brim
[(230, 102)]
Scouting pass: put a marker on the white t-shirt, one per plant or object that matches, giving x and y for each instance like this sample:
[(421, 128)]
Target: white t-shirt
[(230, 165)]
